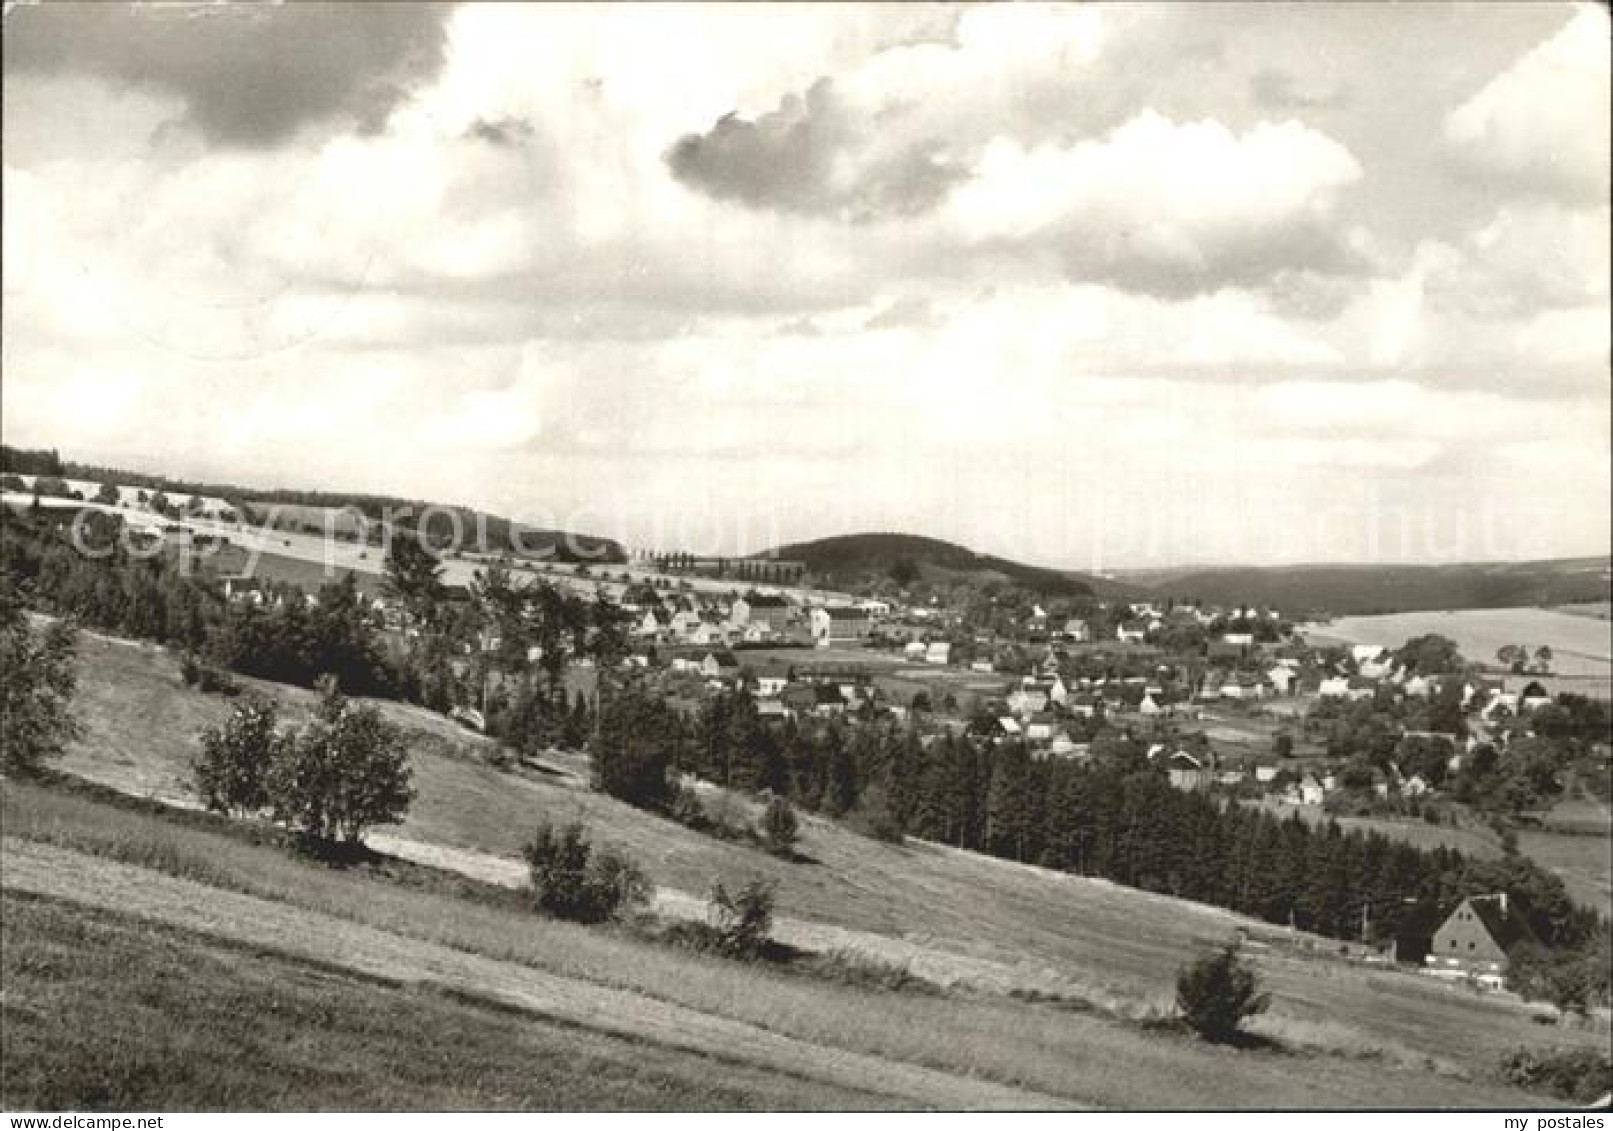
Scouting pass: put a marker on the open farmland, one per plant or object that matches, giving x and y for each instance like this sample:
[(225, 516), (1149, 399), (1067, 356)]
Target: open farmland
[(1581, 647), (966, 919)]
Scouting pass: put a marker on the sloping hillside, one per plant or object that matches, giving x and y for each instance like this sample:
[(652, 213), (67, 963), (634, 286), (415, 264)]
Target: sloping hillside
[(340, 513), (989, 925), (1362, 589), (849, 558)]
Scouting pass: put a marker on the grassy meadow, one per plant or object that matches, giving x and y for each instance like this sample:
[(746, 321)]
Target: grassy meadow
[(1072, 1054), (106, 1011), (1102, 957)]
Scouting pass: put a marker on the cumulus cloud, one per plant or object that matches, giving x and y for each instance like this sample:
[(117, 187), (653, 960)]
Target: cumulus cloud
[(249, 74), (1543, 123), (1052, 253), (1166, 207), (814, 155)]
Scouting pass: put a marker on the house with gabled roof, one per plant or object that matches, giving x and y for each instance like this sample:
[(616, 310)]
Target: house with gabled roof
[(839, 624), (1476, 938), (767, 609)]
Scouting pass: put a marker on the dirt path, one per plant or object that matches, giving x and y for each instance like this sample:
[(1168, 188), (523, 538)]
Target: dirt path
[(51, 871)]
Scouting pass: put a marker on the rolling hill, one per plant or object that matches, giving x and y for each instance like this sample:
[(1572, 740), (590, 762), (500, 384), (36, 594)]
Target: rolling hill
[(342, 513), (1363, 589), (848, 558)]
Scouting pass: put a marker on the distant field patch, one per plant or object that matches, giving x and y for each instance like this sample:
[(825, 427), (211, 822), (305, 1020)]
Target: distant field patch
[(1597, 610), (1579, 643)]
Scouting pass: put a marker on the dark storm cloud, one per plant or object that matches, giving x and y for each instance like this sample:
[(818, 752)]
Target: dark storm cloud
[(815, 157), (251, 75)]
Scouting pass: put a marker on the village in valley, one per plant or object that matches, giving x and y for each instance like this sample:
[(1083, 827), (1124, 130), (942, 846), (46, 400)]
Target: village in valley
[(1242, 704), (853, 557)]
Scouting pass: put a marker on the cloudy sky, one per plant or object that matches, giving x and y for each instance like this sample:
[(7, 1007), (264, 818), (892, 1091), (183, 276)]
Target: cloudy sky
[(1093, 285)]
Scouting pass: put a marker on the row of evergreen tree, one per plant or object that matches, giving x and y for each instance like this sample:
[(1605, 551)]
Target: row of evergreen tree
[(1116, 817)]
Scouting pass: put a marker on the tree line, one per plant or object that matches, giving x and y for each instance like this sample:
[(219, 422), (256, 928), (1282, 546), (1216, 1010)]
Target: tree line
[(1115, 817)]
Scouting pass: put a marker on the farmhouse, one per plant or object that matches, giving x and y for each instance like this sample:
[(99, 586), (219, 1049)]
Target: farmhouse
[(1476, 938), (766, 609), (839, 625), (719, 663)]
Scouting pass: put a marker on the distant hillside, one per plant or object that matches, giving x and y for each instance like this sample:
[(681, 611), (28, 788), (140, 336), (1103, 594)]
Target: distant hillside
[(848, 558), (1363, 589), (308, 511)]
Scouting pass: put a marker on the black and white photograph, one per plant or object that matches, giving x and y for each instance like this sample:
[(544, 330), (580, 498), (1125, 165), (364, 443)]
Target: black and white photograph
[(804, 558)]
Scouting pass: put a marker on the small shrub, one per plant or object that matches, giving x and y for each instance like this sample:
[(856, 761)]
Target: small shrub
[(571, 881), (207, 678), (780, 827), (719, 817), (686, 809), (854, 968), (1215, 994), (232, 771), (743, 918), (344, 772), (1577, 1075)]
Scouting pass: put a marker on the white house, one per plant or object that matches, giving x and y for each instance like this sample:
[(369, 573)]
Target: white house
[(1039, 728), (939, 652), (839, 625), (1310, 791)]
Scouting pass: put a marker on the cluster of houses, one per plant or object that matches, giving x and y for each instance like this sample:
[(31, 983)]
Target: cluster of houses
[(1368, 668), (753, 618)]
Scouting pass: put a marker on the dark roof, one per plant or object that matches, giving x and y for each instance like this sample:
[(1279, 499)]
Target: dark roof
[(1507, 928), (766, 601), (845, 612)]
